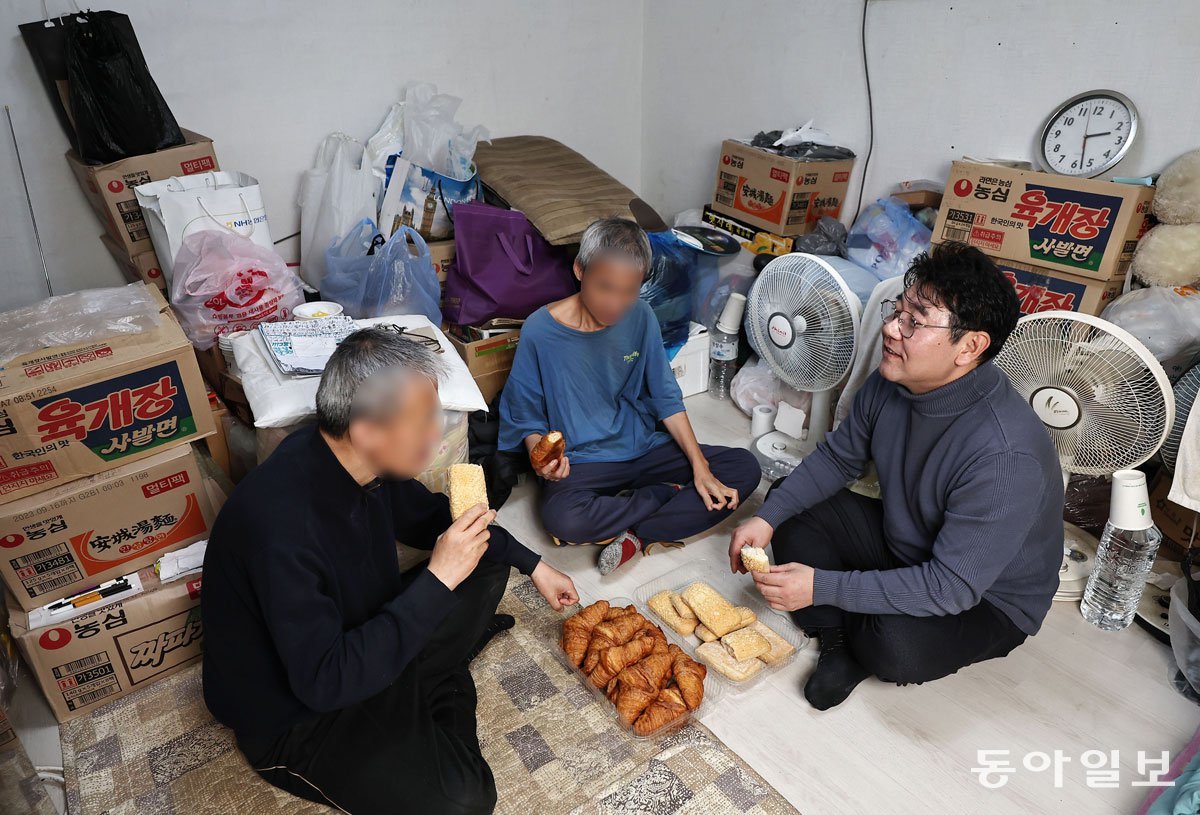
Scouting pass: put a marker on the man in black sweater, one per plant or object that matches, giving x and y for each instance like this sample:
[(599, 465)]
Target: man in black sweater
[(346, 681)]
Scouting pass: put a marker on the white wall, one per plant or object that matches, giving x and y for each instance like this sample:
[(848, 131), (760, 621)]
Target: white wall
[(948, 78), (266, 80)]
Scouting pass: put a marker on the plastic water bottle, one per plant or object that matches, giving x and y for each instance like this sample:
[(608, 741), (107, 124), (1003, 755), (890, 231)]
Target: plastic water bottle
[(1125, 557), (723, 346)]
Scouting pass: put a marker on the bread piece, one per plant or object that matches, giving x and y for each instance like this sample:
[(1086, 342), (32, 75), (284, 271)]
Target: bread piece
[(713, 610), (688, 675), (467, 488), (666, 708), (577, 630), (550, 448), (662, 606), (682, 608), (745, 643), (748, 617), (755, 559), (780, 648), (704, 634), (716, 657)]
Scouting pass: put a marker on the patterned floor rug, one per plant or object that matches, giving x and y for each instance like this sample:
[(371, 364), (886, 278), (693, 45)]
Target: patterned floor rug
[(554, 749)]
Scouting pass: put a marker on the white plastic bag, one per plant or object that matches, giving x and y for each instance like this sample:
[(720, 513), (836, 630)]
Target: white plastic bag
[(338, 192), (432, 139), (756, 384), (226, 283), (1166, 320)]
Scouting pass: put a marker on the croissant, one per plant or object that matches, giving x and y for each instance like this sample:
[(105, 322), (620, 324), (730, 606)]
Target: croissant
[(638, 685), (548, 449), (616, 659), (655, 633), (610, 633), (666, 708), (577, 630), (619, 611), (688, 675)]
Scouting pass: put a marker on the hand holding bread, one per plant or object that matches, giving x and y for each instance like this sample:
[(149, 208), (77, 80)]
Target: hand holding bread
[(752, 532), (459, 549), (548, 456)]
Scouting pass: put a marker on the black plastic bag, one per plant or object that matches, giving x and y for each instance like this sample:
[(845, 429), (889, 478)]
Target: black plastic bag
[(501, 469), (116, 107)]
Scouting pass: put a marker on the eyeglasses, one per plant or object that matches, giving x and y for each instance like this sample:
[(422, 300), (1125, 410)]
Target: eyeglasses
[(413, 334), (889, 310)]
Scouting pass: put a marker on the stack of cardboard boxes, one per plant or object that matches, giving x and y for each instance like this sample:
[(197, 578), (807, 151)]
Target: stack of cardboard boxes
[(98, 479), (1065, 243), (109, 190)]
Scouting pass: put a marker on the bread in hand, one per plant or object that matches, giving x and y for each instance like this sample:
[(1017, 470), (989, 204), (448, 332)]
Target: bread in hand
[(755, 559), (550, 448), (468, 487), (716, 657), (664, 609), (717, 614)]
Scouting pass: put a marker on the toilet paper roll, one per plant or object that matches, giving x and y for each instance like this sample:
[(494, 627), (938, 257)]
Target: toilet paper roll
[(762, 420)]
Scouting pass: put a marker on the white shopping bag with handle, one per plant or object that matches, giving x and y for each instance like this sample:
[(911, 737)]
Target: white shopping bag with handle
[(180, 206), (335, 194)]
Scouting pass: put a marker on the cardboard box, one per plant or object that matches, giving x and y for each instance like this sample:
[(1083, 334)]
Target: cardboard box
[(752, 238), (442, 253), (75, 410), (1178, 524), (109, 187), (1042, 289), (1077, 225), (776, 193), (143, 266), (100, 656), (489, 360), (690, 365), (68, 539)]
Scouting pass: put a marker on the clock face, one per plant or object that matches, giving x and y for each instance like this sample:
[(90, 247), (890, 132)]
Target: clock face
[(1089, 134)]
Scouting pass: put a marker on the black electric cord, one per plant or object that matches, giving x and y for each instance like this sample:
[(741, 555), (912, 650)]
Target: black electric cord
[(862, 182)]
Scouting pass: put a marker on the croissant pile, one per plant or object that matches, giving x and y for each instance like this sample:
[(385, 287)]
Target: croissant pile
[(650, 682)]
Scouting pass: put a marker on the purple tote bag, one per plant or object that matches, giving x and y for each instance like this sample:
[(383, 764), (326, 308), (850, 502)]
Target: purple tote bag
[(502, 267)]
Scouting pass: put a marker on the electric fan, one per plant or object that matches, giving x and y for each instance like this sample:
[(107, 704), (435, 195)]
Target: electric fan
[(1103, 398), (802, 318), (1186, 390)]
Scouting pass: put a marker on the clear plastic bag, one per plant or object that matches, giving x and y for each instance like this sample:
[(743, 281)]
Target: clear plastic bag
[(81, 316), (225, 283), (1167, 321), (338, 191), (755, 384), (886, 238), (391, 281), (432, 138)]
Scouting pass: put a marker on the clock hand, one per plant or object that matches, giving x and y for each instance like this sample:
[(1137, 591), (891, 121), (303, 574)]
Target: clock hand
[(1090, 135)]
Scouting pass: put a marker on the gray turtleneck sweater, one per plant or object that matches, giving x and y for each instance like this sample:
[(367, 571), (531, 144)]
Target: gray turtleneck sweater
[(972, 499)]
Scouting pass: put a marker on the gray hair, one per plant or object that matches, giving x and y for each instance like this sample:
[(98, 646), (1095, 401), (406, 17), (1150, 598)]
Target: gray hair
[(614, 236), (370, 353)]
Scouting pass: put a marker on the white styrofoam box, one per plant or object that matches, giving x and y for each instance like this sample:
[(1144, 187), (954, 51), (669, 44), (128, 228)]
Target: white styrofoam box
[(691, 363)]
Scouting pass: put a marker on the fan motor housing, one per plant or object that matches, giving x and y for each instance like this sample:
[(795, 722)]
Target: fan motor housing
[(1058, 408)]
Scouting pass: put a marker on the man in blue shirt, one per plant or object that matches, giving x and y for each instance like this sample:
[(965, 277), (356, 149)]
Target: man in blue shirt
[(593, 367)]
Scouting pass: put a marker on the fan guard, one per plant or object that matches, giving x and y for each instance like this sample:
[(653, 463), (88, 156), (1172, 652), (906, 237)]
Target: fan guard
[(1104, 399), (802, 318)]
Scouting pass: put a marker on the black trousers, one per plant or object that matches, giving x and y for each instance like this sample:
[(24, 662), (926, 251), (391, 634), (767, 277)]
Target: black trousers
[(413, 747), (845, 533)]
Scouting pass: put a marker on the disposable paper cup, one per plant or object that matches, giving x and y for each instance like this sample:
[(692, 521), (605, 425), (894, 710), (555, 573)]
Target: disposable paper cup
[(1130, 504), (317, 309)]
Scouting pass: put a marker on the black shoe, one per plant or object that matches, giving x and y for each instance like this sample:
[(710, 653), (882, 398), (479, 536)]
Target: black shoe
[(500, 622), (837, 672)]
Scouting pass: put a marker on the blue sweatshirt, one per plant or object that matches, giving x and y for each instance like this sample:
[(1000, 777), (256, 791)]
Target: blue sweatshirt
[(972, 499), (604, 390)]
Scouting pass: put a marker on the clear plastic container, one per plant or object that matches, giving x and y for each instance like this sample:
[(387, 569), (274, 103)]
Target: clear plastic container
[(713, 689), (737, 589)]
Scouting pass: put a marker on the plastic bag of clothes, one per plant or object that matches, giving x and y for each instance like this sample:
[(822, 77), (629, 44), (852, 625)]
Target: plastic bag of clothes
[(1166, 321), (117, 108), (812, 150), (886, 238), (225, 283), (675, 272)]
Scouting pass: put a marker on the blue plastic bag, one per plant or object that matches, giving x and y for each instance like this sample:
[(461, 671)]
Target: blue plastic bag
[(391, 281), (675, 279), (886, 238)]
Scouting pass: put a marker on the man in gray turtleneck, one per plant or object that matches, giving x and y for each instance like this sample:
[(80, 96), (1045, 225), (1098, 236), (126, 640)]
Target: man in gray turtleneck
[(959, 561)]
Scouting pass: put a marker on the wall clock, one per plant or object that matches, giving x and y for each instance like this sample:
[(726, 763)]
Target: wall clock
[(1088, 134)]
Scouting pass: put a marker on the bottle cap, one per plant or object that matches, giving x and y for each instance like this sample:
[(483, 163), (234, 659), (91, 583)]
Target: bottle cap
[(1130, 504), (731, 316)]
